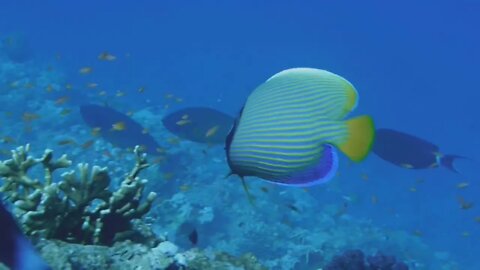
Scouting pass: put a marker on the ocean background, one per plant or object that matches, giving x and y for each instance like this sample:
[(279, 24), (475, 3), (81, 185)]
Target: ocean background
[(415, 65)]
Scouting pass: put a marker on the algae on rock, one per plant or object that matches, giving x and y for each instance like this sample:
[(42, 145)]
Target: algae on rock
[(79, 208)]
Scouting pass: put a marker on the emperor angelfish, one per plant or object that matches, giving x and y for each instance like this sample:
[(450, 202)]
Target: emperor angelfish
[(291, 126)]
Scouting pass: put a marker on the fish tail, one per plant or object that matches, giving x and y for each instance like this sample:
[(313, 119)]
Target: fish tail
[(360, 136), (447, 161)]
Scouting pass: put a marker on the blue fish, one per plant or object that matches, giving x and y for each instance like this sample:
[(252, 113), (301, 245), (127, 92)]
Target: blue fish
[(16, 251), (291, 126), (105, 118)]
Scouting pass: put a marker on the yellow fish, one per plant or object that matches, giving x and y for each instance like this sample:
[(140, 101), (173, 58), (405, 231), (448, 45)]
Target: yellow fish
[(105, 56), (212, 131), (92, 85), (183, 122), (95, 131), (119, 126), (462, 185), (85, 70)]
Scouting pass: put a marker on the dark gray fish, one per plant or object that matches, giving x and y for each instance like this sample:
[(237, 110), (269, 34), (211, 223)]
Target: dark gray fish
[(193, 237), (199, 124), (16, 251), (118, 128), (409, 151)]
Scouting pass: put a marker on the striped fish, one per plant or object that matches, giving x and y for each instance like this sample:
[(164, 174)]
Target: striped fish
[(291, 126)]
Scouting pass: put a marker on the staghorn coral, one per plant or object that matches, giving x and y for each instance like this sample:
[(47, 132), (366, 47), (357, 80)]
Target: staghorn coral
[(80, 208)]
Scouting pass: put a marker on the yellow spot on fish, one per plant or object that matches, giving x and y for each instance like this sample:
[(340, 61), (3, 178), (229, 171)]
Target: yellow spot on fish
[(462, 185), (212, 131), (407, 166), (85, 70), (105, 56), (119, 126), (183, 122)]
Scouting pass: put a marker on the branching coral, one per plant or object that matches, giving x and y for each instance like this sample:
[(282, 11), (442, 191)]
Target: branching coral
[(80, 208)]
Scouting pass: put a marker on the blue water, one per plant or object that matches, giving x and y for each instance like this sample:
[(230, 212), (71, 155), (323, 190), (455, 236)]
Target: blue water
[(414, 64)]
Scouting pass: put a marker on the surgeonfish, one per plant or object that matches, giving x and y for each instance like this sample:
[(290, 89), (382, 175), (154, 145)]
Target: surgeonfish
[(410, 152), (291, 126), (16, 251)]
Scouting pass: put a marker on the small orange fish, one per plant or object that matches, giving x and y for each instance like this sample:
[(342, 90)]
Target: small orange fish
[(95, 131), (8, 139), (85, 70), (49, 88), (211, 131), (184, 188), (66, 142), (119, 126), (107, 154), (62, 100), (28, 117), (92, 85), (464, 204), (173, 141), (168, 175), (105, 56), (462, 185), (87, 144), (183, 122)]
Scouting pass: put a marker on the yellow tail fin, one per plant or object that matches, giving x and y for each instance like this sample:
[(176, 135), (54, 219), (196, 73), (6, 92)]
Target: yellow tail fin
[(361, 133)]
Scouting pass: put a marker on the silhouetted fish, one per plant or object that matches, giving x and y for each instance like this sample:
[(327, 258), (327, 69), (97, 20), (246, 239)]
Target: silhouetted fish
[(199, 124), (193, 237), (107, 121), (16, 251), (410, 152)]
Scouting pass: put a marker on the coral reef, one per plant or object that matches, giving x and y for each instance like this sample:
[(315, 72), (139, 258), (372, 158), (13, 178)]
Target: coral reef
[(355, 260), (80, 208)]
